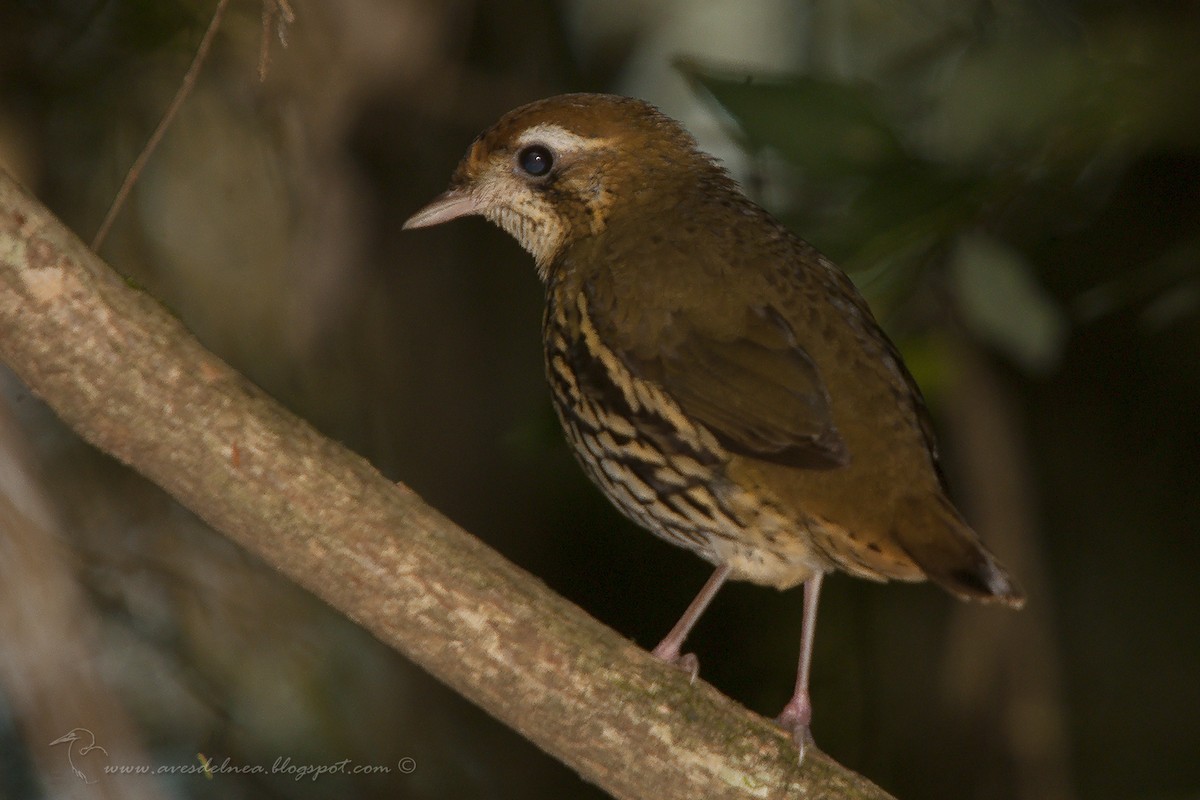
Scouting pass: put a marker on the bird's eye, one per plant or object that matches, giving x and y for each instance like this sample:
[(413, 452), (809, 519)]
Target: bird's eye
[(535, 160)]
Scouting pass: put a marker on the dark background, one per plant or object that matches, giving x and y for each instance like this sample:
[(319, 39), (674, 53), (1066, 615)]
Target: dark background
[(1015, 186)]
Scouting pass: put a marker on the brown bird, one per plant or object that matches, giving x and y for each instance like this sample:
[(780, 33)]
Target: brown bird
[(720, 380)]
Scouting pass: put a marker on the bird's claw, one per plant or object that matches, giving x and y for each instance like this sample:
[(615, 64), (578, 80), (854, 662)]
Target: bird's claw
[(691, 665), (686, 662), (796, 718)]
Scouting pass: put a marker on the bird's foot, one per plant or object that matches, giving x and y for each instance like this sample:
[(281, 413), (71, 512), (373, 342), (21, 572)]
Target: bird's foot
[(669, 652), (796, 718)]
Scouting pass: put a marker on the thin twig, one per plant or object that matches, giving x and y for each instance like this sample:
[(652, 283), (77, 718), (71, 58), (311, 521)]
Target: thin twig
[(185, 89)]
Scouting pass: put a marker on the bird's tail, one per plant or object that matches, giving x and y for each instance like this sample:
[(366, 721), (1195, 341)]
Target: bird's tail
[(950, 553)]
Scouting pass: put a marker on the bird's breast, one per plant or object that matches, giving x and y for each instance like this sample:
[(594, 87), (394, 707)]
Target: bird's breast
[(660, 468)]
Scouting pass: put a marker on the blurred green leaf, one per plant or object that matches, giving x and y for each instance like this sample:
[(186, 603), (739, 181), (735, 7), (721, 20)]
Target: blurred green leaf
[(823, 127), (1172, 307), (1003, 303), (1165, 287), (905, 205)]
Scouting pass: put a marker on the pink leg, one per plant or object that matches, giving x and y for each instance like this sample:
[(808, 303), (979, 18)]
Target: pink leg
[(669, 648), (797, 714)]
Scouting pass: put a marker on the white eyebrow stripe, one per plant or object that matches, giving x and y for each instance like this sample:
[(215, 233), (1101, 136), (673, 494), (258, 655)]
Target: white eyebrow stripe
[(560, 139)]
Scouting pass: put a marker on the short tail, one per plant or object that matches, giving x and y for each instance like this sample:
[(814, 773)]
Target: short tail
[(950, 553)]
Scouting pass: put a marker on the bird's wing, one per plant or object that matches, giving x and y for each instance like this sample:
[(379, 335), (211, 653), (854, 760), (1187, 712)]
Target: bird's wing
[(755, 388)]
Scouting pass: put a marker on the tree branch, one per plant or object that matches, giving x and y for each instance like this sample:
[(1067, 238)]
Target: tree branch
[(132, 381)]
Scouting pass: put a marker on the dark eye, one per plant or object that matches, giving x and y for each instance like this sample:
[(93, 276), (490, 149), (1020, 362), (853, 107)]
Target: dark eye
[(535, 160)]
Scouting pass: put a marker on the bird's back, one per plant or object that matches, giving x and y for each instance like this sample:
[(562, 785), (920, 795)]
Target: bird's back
[(764, 342)]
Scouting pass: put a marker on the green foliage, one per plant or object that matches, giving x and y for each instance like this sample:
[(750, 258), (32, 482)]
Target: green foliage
[(1006, 306), (968, 190), (826, 128)]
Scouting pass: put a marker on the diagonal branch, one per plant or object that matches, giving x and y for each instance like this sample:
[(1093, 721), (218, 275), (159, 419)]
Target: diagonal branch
[(131, 380)]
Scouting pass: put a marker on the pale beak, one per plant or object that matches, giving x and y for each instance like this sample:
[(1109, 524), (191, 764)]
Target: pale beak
[(451, 204)]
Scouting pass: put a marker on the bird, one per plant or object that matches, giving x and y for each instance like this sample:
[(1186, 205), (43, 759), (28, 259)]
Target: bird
[(721, 381)]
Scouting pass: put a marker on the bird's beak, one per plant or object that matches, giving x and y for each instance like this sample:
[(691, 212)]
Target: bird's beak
[(451, 204)]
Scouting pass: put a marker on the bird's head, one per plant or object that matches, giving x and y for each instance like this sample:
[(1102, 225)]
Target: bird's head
[(560, 170)]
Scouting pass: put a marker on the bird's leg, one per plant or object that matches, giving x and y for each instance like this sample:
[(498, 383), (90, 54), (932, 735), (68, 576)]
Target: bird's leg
[(669, 648), (797, 714)]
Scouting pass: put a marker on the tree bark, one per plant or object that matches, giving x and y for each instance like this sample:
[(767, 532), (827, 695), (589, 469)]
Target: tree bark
[(128, 377)]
